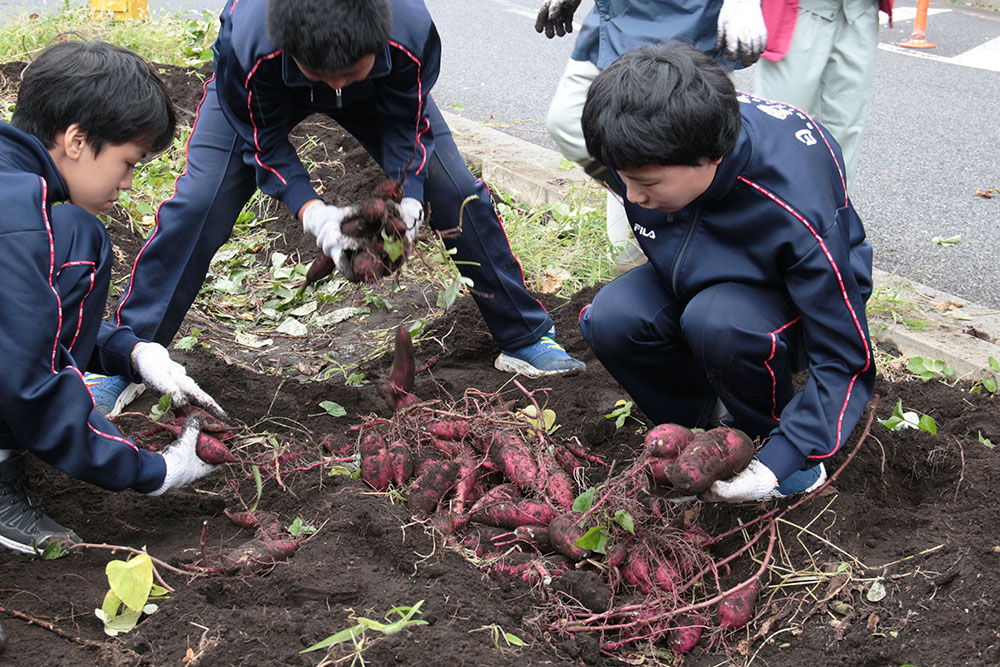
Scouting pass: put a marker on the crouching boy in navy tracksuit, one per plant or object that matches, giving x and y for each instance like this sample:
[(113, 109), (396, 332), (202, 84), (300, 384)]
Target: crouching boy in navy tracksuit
[(758, 266), (369, 65), (85, 114)]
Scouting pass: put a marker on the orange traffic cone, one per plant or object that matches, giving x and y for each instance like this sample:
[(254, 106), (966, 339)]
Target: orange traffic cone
[(917, 39)]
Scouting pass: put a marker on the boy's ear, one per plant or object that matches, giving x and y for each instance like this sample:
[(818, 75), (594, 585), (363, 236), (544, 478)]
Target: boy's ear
[(73, 140)]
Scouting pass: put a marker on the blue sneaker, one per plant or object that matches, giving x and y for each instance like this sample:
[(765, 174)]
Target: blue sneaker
[(802, 481), (546, 357), (112, 392)]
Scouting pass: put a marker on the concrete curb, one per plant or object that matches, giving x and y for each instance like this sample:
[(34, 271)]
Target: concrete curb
[(961, 333)]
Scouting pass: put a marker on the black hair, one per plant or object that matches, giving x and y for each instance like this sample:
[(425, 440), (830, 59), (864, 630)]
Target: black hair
[(666, 104), (113, 94), (327, 35)]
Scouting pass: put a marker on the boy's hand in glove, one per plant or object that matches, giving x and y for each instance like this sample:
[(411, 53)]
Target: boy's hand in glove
[(181, 457), (411, 212), (741, 33), (324, 222), (755, 482), (556, 17), (165, 376)]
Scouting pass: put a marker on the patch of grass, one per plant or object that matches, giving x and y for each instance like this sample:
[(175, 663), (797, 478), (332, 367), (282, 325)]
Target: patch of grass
[(170, 38)]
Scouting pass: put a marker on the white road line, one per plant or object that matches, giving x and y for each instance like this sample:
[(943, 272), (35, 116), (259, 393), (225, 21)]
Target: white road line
[(985, 56)]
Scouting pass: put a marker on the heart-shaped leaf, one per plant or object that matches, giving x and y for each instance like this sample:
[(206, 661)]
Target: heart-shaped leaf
[(131, 580)]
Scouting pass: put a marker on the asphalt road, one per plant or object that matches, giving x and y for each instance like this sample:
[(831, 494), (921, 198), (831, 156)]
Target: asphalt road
[(933, 135)]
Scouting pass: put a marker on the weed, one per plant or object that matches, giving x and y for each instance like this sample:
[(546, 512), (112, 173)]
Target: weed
[(298, 528), (621, 413), (887, 305), (988, 382), (497, 633), (356, 633)]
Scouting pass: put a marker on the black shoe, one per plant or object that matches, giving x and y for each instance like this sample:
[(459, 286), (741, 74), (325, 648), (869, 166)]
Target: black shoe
[(24, 525)]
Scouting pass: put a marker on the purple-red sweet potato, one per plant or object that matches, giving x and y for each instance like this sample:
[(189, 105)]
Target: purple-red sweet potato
[(558, 486), (376, 467), (514, 513), (449, 429), (564, 531), (712, 455), (321, 267), (398, 389), (736, 609), (537, 535), (498, 494), (667, 441), (637, 572), (256, 555), (465, 481), (514, 460), (208, 448), (656, 470), (389, 189), (684, 638), (428, 489), (245, 519), (665, 576), (615, 555), (400, 463), (566, 459)]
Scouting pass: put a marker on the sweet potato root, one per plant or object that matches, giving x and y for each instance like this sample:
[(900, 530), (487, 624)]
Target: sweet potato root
[(321, 267), (564, 531), (450, 429), (376, 467), (389, 189), (255, 555), (398, 390), (208, 448), (667, 441), (514, 460), (428, 489), (736, 610), (712, 455)]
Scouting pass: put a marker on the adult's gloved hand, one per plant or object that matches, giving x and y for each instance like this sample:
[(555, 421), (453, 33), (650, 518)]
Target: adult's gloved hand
[(323, 221), (183, 464), (755, 482), (411, 212), (556, 17), (741, 33), (165, 376)]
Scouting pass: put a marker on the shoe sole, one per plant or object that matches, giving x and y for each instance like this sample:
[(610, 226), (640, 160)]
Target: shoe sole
[(132, 392), (509, 364)]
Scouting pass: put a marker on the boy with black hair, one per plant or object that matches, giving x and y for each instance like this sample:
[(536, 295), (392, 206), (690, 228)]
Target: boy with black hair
[(758, 266), (369, 65), (71, 139)]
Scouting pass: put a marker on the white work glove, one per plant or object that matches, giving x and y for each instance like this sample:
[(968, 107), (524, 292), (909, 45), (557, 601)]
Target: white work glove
[(742, 35), (755, 482), (183, 464), (165, 376), (323, 222), (556, 17), (411, 212)]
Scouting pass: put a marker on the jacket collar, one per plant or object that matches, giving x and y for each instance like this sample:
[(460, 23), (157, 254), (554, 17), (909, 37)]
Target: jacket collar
[(729, 169), (23, 152), (293, 76)]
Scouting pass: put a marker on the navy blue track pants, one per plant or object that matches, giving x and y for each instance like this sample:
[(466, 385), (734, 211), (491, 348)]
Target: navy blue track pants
[(190, 228), (732, 341)]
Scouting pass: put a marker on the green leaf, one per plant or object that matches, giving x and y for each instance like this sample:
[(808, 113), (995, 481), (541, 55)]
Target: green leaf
[(583, 502), (947, 241), (186, 343), (337, 638), (333, 409), (513, 639), (112, 603), (990, 384), (52, 551), (595, 539), (986, 441), (131, 580), (877, 591), (994, 364), (625, 520), (928, 424)]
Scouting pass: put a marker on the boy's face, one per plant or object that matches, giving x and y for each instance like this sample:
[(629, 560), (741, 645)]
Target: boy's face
[(94, 181), (668, 188), (343, 77)]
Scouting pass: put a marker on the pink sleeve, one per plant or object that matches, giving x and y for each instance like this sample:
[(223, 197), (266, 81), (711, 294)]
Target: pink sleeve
[(779, 18)]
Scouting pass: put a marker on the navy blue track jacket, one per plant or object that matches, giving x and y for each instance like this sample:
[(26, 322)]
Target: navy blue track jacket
[(45, 405), (263, 94), (777, 215)]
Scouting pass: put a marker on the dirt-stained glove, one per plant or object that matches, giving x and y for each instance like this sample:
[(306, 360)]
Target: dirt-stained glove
[(181, 457), (324, 222), (555, 17), (165, 376), (411, 212), (755, 482), (741, 33)]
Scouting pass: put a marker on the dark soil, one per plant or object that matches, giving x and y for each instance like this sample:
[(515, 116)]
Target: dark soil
[(913, 511)]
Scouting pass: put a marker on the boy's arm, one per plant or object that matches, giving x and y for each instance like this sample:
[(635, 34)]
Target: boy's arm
[(43, 397), (401, 110)]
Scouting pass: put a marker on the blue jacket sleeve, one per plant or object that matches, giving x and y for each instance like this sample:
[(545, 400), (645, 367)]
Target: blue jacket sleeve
[(44, 400), (401, 112)]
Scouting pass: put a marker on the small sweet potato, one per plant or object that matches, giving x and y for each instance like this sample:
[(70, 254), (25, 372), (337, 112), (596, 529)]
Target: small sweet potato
[(667, 441), (400, 463), (375, 211), (684, 638), (564, 531), (666, 577), (428, 489), (498, 494), (736, 609), (398, 390), (514, 513), (376, 467), (368, 266), (321, 267), (514, 460), (245, 519), (395, 227), (450, 429), (389, 189), (637, 573), (464, 482), (256, 555), (712, 455), (536, 535), (615, 555), (567, 461), (656, 470), (212, 450)]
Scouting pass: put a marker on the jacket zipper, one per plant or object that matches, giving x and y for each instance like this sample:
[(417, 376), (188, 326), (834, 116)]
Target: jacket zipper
[(675, 270), (339, 104)]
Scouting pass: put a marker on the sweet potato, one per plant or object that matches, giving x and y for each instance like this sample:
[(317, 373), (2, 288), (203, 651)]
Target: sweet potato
[(321, 267), (394, 227), (498, 494), (637, 573), (208, 448), (667, 441), (665, 576), (450, 429), (684, 638), (376, 467), (656, 470), (389, 189), (246, 519), (256, 555), (428, 489), (398, 389), (564, 531), (566, 460), (400, 463), (615, 555), (464, 482), (537, 535), (558, 486), (368, 266), (514, 460), (712, 455), (514, 513), (375, 211), (736, 609)]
